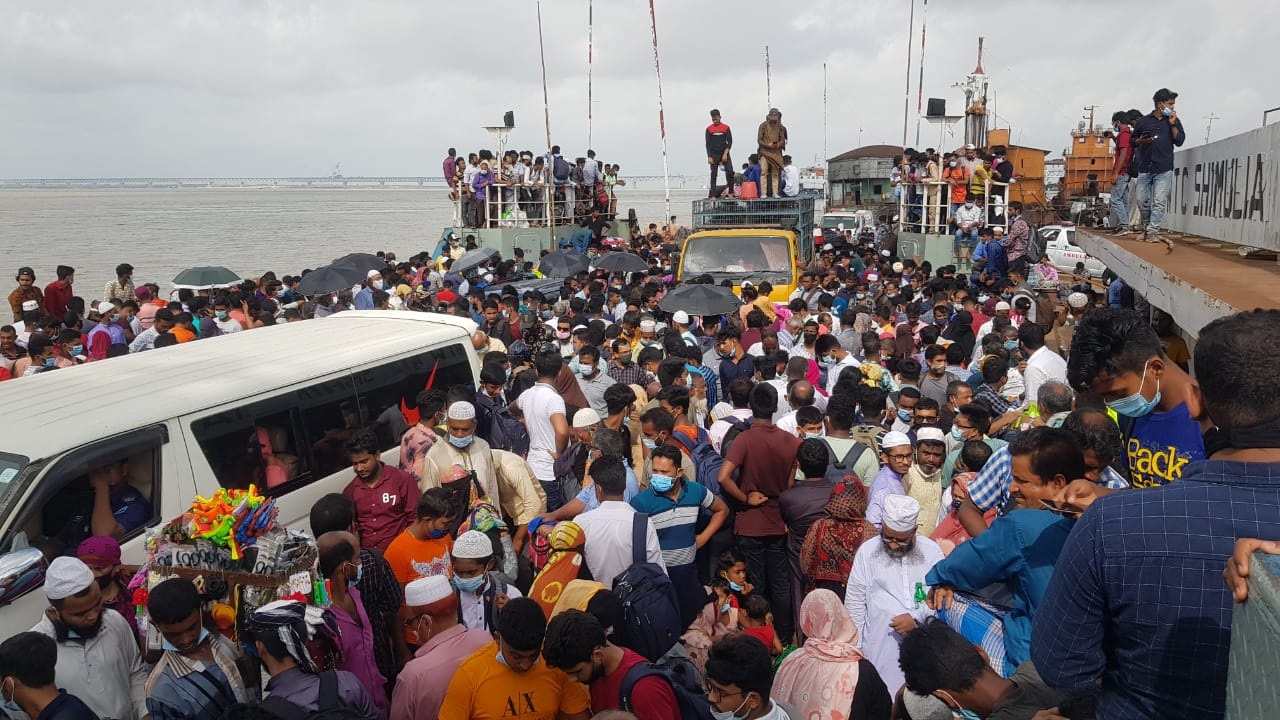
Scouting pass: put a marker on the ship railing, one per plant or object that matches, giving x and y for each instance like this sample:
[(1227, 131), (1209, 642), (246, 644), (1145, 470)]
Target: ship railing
[(925, 207)]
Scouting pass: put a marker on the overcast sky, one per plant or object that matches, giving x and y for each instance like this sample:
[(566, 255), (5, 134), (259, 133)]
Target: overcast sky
[(260, 88)]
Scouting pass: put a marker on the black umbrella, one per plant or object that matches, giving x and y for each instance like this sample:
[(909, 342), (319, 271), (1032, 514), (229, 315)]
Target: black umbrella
[(473, 258), (206, 277), (327, 279), (363, 262), (622, 262), (564, 264), (701, 300)]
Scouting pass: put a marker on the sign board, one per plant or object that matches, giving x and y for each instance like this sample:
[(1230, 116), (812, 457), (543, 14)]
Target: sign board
[(1227, 190)]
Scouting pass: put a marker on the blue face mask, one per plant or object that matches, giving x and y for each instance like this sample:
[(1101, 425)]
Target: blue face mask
[(469, 584), (904, 416), (728, 714), (50, 361), (461, 442), (959, 712), (546, 314), (735, 586), (10, 704), (1011, 345), (662, 483), (812, 436), (957, 434), (437, 534), (1166, 111), (1136, 406), (77, 349), (649, 444), (828, 360), (166, 645), (503, 661)]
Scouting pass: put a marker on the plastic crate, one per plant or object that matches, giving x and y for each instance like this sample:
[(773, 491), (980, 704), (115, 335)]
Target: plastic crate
[(789, 213)]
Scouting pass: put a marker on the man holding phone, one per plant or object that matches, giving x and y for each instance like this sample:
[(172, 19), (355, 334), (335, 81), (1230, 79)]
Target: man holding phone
[(1155, 136)]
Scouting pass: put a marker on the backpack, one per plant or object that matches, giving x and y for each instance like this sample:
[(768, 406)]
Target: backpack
[(706, 461), (685, 684), (839, 468), (650, 608), (560, 169), (505, 431), (328, 708), (868, 435), (736, 428)]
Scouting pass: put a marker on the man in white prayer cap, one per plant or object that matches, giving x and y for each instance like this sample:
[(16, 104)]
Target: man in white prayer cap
[(431, 620), (98, 658), (886, 592), (897, 453)]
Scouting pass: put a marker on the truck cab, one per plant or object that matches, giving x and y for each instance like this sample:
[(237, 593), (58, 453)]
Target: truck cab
[(764, 240)]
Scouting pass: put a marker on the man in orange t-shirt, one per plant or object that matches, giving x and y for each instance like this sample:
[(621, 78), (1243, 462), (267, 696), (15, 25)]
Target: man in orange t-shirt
[(424, 548), (957, 176)]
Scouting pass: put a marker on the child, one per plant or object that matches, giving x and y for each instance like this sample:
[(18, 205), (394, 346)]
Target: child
[(949, 533), (718, 620), (733, 568), (726, 604), (758, 623), (423, 549)]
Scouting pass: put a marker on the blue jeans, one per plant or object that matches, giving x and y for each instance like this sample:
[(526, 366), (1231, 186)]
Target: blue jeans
[(1153, 189), (966, 239), (1120, 203)]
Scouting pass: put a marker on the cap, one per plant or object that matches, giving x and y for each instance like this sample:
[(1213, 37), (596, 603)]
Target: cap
[(142, 293), (472, 545), (828, 246), (893, 440), (774, 112), (930, 433), (65, 577), (681, 317), (462, 410), (897, 267), (970, 146), (747, 284), (29, 305), (372, 274), (901, 513), (1002, 305), (873, 277), (99, 552), (427, 590), (1077, 299), (488, 277), (721, 411), (105, 307), (403, 290), (884, 253), (648, 325), (585, 418)]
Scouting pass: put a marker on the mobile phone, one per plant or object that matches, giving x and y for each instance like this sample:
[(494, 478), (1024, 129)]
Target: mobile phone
[(1063, 510)]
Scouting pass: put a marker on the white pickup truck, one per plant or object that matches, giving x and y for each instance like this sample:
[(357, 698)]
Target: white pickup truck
[(1059, 243)]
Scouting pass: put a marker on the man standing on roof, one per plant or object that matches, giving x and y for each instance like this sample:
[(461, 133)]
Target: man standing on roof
[(719, 140), (772, 140), (1156, 135)]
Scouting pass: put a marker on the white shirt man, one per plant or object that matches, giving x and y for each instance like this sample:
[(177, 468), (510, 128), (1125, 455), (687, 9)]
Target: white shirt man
[(538, 404), (881, 595), (1043, 365), (790, 180), (608, 533), (968, 216)]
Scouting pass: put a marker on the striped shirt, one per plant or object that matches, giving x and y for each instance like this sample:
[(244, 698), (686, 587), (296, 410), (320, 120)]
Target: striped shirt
[(182, 687), (675, 520)]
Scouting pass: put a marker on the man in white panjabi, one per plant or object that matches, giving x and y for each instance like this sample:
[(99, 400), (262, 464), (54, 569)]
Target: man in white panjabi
[(882, 595)]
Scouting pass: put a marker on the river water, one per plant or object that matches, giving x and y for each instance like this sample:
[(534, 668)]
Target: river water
[(163, 231)]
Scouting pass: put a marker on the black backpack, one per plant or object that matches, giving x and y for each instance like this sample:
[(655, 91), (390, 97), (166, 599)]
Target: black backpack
[(560, 169), (328, 708), (838, 468), (685, 684), (650, 608), (505, 432)]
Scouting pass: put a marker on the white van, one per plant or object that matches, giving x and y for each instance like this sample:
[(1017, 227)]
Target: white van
[(187, 420)]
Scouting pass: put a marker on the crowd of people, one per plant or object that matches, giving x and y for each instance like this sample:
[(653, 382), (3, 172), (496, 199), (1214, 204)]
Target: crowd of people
[(514, 189), (900, 492)]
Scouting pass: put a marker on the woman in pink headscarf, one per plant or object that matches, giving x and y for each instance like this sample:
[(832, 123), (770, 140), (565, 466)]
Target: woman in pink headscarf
[(827, 678)]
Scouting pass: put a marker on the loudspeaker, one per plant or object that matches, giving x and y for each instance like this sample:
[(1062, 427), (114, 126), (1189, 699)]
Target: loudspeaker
[(509, 119), (937, 108)]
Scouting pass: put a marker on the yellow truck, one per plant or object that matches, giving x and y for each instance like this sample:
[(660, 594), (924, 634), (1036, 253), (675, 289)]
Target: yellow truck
[(765, 240)]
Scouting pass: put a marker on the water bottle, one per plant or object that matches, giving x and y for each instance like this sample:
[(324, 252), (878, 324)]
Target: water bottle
[(919, 596)]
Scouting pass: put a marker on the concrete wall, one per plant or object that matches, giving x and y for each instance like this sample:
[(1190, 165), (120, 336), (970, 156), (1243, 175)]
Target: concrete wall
[(1229, 190)]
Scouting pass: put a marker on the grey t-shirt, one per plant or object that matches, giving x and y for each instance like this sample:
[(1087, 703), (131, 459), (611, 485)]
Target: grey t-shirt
[(1030, 697)]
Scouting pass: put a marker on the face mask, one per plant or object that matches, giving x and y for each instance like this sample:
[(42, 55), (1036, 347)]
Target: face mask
[(1011, 345), (503, 660), (562, 334), (49, 362), (735, 586), (10, 704), (662, 483), (166, 645), (649, 444), (969, 205), (624, 359), (953, 163), (828, 360), (861, 296), (1166, 112), (77, 349), (957, 434), (1115, 129), (728, 714), (220, 314), (470, 585), (1136, 405), (812, 436), (546, 314), (904, 416), (724, 608), (983, 298), (438, 534), (587, 371), (461, 442)]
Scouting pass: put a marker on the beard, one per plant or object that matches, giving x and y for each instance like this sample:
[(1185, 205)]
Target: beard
[(62, 631), (900, 552)]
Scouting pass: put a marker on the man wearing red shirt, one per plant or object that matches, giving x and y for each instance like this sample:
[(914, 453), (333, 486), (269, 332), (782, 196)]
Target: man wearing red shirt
[(1122, 133), (57, 294), (719, 140), (386, 498), (575, 643)]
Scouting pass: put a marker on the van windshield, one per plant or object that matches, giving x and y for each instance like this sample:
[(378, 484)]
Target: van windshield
[(741, 257)]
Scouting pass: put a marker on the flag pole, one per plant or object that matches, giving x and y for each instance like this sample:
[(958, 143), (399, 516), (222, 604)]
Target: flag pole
[(662, 121), (548, 189)]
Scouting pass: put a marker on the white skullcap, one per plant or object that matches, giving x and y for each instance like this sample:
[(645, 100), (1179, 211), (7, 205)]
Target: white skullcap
[(488, 277), (462, 410), (897, 267), (721, 411), (29, 305), (585, 418), (373, 274), (473, 545), (1002, 305), (1077, 299), (872, 277), (901, 513), (648, 325), (893, 440), (930, 433), (427, 590), (884, 253), (105, 307), (681, 317), (829, 246), (65, 577)]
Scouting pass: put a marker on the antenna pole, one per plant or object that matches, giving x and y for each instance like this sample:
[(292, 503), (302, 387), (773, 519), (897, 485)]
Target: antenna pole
[(662, 121), (589, 65), (824, 113), (1091, 108), (549, 189), (906, 95), (768, 79), (924, 17), (1209, 127)]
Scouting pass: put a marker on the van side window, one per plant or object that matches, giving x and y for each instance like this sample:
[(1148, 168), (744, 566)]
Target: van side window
[(58, 515), (381, 390)]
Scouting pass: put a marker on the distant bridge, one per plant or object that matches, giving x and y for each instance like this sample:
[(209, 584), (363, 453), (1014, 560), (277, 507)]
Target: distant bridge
[(648, 181)]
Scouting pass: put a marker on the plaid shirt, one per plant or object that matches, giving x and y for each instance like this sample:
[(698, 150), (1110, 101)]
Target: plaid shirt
[(989, 397), (990, 487), (1137, 597), (629, 375)]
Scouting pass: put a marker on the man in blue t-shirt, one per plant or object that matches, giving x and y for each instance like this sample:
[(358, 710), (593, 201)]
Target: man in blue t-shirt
[(673, 506), (116, 508), (1118, 355)]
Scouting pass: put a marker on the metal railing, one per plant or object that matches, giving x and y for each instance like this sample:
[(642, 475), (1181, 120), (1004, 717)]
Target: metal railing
[(526, 205), (926, 207)]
